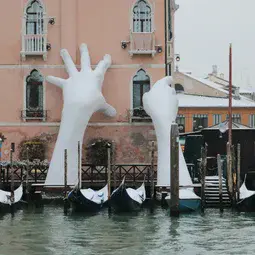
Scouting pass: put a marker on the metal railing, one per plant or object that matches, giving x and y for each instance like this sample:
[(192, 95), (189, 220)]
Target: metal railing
[(34, 114)]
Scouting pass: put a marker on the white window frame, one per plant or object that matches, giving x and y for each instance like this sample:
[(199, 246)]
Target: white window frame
[(217, 119), (252, 120), (43, 51)]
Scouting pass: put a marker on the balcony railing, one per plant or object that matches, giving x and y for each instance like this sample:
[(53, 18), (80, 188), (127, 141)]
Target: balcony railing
[(34, 115), (34, 45), (139, 115), (142, 43)]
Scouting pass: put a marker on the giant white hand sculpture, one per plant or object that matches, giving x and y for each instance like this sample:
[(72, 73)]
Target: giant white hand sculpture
[(161, 104), (82, 93)]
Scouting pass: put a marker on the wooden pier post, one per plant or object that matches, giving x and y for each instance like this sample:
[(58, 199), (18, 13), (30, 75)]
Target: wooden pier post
[(203, 165), (238, 171), (234, 173), (109, 171), (65, 182), (174, 176), (152, 171), (12, 179), (113, 165), (220, 181), (229, 173), (79, 166)]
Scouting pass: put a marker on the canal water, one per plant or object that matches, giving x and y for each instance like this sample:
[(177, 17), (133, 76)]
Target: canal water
[(48, 231)]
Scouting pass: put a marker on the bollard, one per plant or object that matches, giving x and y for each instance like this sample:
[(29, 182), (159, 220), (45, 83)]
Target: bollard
[(174, 176), (152, 171), (229, 173), (65, 181), (220, 181), (238, 171), (79, 166), (12, 183), (203, 165)]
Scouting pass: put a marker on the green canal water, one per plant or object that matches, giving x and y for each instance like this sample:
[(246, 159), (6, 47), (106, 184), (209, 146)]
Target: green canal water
[(49, 231)]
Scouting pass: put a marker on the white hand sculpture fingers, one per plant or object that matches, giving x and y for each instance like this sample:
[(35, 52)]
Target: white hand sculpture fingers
[(85, 59), (69, 64), (56, 81), (108, 110), (103, 65)]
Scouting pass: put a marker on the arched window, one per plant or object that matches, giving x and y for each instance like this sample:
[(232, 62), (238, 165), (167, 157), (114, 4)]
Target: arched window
[(179, 88), (34, 18), (34, 94), (141, 84), (142, 17)]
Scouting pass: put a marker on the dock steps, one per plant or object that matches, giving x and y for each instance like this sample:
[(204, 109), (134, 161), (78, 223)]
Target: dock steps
[(212, 192)]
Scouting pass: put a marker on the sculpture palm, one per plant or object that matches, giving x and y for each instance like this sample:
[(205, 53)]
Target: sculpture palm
[(82, 93)]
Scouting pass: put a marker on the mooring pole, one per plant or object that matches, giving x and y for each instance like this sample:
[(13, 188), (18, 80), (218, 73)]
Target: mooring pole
[(152, 171), (238, 171), (109, 171), (220, 180), (65, 181), (79, 166), (203, 165), (12, 181), (233, 155), (113, 165), (229, 173), (174, 177)]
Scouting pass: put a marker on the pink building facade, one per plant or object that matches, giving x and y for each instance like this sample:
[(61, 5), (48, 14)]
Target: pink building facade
[(131, 31)]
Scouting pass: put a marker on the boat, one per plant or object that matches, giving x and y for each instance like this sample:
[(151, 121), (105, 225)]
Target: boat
[(247, 199), (127, 199), (188, 200), (88, 200), (6, 203)]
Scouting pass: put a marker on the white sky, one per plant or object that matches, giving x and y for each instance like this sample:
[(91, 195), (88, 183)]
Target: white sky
[(205, 28)]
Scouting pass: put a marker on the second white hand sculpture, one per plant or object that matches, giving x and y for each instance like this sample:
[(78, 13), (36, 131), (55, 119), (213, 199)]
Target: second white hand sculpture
[(82, 93), (161, 104)]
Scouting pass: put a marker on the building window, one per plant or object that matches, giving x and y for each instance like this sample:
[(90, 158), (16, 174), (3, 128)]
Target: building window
[(141, 84), (180, 120), (34, 20), (216, 119), (179, 88), (34, 30), (200, 121), (236, 117), (34, 96), (252, 120), (142, 17)]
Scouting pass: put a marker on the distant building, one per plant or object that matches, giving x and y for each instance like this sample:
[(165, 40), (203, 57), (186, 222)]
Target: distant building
[(203, 103)]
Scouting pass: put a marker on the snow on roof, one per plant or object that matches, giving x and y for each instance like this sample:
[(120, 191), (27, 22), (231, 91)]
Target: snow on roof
[(235, 125), (207, 83), (187, 100)]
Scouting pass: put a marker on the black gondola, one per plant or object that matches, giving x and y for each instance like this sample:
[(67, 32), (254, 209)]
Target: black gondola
[(246, 202), (9, 204), (88, 200), (127, 199)]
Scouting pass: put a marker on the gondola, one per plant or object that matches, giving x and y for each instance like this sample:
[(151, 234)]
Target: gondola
[(188, 200), (246, 201), (127, 199), (88, 200), (6, 203)]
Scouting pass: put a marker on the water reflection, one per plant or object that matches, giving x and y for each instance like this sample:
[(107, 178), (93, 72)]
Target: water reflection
[(48, 231)]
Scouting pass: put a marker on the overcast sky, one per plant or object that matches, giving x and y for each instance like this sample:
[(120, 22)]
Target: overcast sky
[(205, 28)]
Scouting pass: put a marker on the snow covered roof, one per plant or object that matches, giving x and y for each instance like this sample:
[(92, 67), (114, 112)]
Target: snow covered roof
[(187, 100), (207, 83), (225, 123)]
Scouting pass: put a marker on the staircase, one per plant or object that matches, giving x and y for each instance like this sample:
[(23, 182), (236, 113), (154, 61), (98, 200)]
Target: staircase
[(212, 192)]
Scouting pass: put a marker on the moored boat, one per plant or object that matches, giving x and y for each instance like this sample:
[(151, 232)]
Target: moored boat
[(127, 199), (88, 200), (247, 199), (9, 204), (188, 200)]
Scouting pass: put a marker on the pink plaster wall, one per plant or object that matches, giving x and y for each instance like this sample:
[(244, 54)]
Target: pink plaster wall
[(102, 25)]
